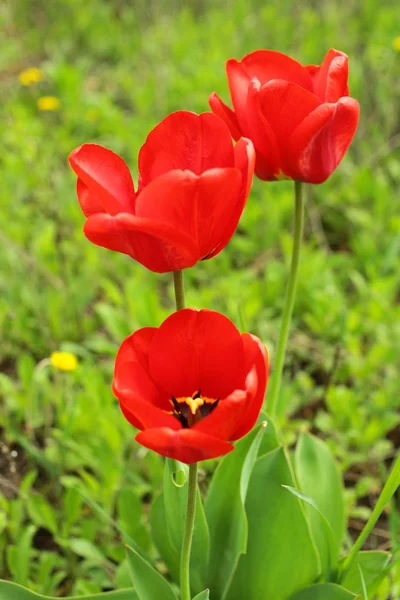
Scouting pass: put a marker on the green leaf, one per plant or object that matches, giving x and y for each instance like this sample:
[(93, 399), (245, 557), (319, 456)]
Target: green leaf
[(72, 509), (12, 591), (87, 549), (225, 511), (329, 534), (41, 513), (129, 511), (281, 557), (162, 539), (175, 501), (388, 491), (374, 567), (21, 555), (364, 587), (319, 478), (270, 438), (149, 583), (203, 595), (323, 591)]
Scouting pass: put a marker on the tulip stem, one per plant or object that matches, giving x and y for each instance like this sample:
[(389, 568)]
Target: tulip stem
[(179, 290), (188, 535), (289, 300)]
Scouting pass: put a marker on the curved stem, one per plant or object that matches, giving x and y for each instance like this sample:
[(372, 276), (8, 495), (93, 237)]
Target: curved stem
[(188, 534), (179, 290), (289, 300)]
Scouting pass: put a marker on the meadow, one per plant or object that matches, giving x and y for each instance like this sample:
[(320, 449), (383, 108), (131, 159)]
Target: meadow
[(73, 483)]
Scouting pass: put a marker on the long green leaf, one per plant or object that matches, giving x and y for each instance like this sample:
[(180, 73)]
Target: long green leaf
[(12, 591), (388, 491), (281, 556), (374, 565), (225, 511), (326, 527), (203, 595), (149, 584), (319, 478), (161, 537), (323, 591)]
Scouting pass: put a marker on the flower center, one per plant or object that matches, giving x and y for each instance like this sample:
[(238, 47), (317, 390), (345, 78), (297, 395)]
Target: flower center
[(190, 410)]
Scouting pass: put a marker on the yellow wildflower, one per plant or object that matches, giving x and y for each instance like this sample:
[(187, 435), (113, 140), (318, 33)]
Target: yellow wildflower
[(64, 361), (48, 103), (30, 76), (396, 43)]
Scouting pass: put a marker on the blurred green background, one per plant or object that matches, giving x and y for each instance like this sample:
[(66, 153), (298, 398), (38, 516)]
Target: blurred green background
[(71, 475)]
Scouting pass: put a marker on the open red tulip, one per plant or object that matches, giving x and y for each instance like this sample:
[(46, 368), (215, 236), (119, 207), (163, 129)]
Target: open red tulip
[(192, 385), (193, 186), (300, 118)]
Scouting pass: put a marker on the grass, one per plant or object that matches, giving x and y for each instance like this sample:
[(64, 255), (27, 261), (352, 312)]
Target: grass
[(72, 477)]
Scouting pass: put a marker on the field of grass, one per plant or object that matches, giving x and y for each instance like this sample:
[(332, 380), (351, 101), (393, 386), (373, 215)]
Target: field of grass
[(71, 475)]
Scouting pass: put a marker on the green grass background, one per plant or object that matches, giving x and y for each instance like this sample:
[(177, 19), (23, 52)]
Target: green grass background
[(118, 67)]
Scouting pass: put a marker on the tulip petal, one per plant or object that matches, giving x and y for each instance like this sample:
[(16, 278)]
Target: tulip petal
[(197, 350), (256, 354), (131, 376), (107, 177), (157, 246), (244, 162), (320, 142), (220, 204), (185, 140), (266, 65), (140, 400), (330, 79), (88, 200), (268, 162), (239, 81), (186, 445), (135, 348), (223, 111), (226, 417), (285, 105), (197, 205)]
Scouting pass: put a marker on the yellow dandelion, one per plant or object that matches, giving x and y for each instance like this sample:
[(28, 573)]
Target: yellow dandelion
[(47, 103), (64, 361), (30, 76), (396, 43)]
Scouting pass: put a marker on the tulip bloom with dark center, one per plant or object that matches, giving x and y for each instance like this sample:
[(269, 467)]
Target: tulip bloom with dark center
[(193, 186), (300, 118), (192, 385)]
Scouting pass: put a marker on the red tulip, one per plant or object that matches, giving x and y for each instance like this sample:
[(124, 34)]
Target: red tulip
[(300, 119), (192, 385), (193, 186)]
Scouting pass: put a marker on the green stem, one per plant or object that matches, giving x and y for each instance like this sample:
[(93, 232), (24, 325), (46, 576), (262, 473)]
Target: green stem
[(192, 487), (179, 290), (188, 535), (388, 491), (289, 300)]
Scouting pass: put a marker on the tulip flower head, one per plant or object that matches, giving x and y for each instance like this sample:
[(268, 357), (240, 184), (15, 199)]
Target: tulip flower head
[(192, 385), (300, 118), (193, 186)]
